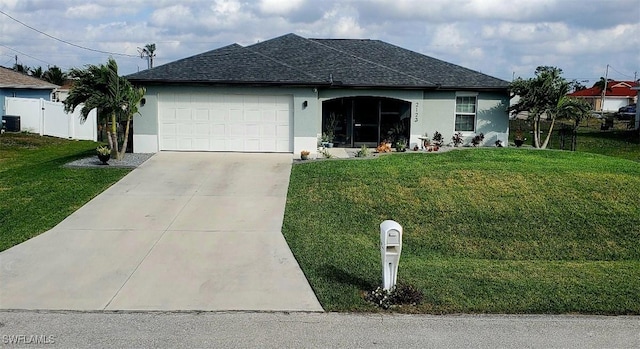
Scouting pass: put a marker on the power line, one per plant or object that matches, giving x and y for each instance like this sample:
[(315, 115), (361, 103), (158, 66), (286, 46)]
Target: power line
[(614, 69), (28, 55), (67, 42)]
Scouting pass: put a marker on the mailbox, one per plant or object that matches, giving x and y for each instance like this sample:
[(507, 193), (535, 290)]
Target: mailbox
[(390, 248)]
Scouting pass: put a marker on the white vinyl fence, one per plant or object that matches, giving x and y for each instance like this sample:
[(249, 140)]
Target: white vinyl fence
[(49, 119)]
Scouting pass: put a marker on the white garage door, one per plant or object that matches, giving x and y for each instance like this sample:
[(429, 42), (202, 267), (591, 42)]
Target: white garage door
[(225, 122)]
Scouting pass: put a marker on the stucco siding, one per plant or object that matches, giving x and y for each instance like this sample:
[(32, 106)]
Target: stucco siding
[(493, 117), (439, 114)]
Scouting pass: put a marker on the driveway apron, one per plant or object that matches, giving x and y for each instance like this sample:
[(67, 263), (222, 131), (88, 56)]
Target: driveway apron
[(184, 231)]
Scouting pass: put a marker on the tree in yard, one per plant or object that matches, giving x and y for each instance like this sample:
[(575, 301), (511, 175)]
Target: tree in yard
[(541, 96), (576, 110), (100, 86)]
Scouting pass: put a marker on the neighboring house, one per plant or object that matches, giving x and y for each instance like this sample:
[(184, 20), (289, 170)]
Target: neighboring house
[(281, 94), (618, 94), (62, 92), (14, 84)]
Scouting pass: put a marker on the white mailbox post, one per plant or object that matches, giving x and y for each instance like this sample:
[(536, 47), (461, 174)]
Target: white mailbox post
[(390, 248)]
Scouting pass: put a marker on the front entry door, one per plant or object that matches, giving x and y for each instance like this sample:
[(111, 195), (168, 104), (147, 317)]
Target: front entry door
[(366, 122)]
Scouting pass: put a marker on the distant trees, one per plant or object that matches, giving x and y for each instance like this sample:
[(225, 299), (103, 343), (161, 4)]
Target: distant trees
[(53, 74), (148, 52)]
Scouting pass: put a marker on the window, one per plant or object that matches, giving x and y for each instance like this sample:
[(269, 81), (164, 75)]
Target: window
[(465, 113)]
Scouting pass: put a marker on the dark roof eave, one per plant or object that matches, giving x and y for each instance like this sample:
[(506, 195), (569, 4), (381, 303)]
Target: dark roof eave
[(156, 82), (325, 84), (30, 87)]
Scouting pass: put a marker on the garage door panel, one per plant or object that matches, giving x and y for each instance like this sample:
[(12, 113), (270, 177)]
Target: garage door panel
[(282, 131), (203, 129), (219, 122), (269, 131), (219, 115), (252, 144), (185, 129), (282, 116), (236, 130), (234, 144), (201, 144), (219, 131), (236, 115), (283, 146), (183, 114), (252, 115), (268, 116), (201, 115), (252, 130)]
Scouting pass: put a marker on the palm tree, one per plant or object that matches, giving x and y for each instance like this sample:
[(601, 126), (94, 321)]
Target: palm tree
[(576, 110), (100, 87), (541, 96), (21, 68), (37, 72), (149, 52), (55, 75)]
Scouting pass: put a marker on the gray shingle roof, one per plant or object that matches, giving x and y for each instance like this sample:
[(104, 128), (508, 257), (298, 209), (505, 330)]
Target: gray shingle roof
[(294, 60)]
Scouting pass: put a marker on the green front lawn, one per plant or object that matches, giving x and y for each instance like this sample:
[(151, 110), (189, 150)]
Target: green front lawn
[(618, 142), (36, 191), (485, 230)]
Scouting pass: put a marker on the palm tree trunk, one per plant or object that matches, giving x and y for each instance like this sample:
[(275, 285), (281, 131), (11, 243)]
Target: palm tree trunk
[(126, 139), (546, 140), (536, 132), (114, 137)]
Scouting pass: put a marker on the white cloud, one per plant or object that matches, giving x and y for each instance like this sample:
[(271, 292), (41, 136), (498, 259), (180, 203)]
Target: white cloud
[(86, 11), (171, 16), (279, 7), (493, 36)]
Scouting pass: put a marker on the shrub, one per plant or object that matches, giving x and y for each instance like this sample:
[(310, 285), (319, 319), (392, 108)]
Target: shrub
[(401, 294), (477, 140), (457, 139)]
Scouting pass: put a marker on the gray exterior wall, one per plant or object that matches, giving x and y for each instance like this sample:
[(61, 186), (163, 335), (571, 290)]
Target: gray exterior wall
[(439, 110), (430, 111)]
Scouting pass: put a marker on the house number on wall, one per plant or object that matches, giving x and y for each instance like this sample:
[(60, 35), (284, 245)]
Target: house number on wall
[(415, 116)]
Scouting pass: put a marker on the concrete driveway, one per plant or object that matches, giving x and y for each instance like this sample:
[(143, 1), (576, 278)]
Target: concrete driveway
[(184, 231)]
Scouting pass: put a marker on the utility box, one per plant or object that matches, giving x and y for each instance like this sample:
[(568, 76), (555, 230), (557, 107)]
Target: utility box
[(12, 123), (390, 249)]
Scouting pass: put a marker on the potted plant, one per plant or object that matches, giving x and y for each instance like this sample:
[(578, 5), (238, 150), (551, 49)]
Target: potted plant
[(477, 139), (437, 139), (304, 155), (519, 139), (401, 144), (104, 154), (327, 139), (329, 131), (457, 139)]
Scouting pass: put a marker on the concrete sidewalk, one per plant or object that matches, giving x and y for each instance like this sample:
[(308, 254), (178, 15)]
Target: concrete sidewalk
[(184, 231)]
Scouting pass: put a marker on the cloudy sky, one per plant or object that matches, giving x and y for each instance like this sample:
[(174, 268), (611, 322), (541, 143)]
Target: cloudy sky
[(502, 38)]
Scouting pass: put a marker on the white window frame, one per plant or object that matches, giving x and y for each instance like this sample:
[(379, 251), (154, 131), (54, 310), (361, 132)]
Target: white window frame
[(474, 113)]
